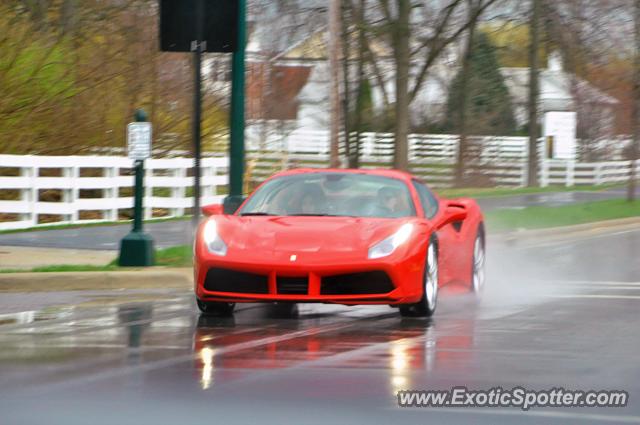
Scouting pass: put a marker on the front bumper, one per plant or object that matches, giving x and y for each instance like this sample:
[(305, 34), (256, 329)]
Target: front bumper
[(350, 282)]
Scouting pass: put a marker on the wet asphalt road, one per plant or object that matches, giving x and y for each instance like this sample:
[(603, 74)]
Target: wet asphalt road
[(559, 315), (172, 233)]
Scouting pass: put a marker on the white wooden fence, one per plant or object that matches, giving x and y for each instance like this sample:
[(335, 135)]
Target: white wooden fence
[(166, 184), (502, 161)]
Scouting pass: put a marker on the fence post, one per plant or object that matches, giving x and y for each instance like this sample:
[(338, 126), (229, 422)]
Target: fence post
[(544, 173), (71, 195), (597, 171), (148, 193), (30, 195), (179, 191), (571, 170), (114, 192)]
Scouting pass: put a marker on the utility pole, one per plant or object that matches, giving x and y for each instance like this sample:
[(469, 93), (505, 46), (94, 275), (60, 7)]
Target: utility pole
[(635, 119), (334, 77), (534, 31)]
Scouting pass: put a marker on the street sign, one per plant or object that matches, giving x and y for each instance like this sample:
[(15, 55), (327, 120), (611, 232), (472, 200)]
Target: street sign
[(213, 22), (139, 140)]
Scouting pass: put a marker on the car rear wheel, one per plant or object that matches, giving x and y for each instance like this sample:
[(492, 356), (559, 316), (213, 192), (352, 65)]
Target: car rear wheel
[(427, 305), (479, 259), (213, 308)]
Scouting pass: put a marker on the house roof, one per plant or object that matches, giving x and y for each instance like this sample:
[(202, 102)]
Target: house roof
[(314, 47), (556, 86)]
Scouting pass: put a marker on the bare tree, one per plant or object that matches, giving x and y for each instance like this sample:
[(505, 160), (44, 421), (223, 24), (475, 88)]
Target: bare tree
[(440, 27)]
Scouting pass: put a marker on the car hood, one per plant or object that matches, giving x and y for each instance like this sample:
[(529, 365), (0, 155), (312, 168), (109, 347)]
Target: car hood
[(306, 237)]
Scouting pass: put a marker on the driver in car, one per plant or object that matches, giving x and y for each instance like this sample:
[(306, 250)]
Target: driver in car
[(391, 202)]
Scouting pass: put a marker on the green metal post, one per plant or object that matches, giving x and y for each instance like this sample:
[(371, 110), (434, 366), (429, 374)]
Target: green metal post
[(136, 249), (236, 142)]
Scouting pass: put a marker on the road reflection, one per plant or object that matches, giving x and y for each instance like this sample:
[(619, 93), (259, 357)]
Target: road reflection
[(405, 348)]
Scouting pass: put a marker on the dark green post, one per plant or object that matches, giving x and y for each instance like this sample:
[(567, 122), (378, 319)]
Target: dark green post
[(136, 249), (236, 139)]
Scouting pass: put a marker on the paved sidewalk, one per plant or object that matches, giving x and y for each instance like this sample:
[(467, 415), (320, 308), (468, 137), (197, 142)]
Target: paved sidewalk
[(26, 258), (143, 278)]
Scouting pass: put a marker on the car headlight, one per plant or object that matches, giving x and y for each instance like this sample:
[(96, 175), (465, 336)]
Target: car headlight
[(212, 239), (387, 246)]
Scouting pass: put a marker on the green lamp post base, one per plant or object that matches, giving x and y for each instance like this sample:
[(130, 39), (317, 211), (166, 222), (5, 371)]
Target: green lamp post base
[(136, 250)]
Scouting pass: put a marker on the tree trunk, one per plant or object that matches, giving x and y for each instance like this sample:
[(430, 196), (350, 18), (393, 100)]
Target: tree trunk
[(354, 160), (464, 96), (401, 48), (635, 119), (534, 30), (334, 71), (346, 97), (68, 16)]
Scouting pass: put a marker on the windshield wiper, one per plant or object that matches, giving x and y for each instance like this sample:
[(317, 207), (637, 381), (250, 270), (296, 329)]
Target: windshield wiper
[(256, 214)]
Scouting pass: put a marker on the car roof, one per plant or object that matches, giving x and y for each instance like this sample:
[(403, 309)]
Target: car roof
[(395, 174)]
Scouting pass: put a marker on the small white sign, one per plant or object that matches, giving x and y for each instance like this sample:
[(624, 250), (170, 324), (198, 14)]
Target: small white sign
[(562, 126), (139, 140)]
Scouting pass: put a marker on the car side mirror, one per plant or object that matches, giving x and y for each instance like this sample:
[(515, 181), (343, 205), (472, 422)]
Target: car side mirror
[(212, 209), (453, 212), (232, 203)]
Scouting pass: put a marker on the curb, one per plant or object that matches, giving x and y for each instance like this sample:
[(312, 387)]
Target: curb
[(566, 232), (156, 278)]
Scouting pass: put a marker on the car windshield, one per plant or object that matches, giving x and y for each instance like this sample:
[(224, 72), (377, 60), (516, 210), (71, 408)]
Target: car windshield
[(332, 194)]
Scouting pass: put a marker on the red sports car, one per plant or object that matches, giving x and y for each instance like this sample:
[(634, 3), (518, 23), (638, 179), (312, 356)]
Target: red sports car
[(339, 236)]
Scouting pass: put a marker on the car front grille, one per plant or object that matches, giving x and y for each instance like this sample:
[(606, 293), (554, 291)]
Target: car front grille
[(225, 280), (292, 285)]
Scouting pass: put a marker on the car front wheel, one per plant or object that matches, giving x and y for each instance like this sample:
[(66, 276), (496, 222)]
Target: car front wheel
[(479, 259), (427, 305), (213, 308)]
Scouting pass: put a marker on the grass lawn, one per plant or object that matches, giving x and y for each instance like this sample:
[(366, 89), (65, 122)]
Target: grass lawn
[(506, 191), (542, 217), (177, 256)]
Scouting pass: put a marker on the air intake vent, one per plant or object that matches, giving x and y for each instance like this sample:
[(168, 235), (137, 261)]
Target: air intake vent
[(366, 283), (224, 280)]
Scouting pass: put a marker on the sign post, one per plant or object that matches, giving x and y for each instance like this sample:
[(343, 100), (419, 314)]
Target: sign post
[(236, 125), (200, 26), (136, 249)]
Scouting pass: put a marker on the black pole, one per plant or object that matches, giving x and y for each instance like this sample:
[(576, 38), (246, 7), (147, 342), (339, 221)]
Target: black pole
[(197, 48), (139, 197)]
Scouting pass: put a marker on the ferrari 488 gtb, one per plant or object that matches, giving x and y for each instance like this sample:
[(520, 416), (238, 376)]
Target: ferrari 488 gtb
[(339, 236)]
